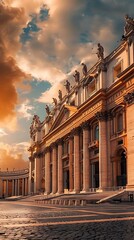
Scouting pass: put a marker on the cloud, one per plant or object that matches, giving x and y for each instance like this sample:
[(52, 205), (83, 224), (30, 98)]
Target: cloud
[(12, 156), (24, 110), (2, 133), (11, 20)]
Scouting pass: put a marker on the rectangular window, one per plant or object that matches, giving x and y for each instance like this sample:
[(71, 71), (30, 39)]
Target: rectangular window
[(117, 70)]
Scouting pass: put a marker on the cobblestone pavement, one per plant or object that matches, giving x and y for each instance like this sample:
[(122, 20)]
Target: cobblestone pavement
[(25, 220)]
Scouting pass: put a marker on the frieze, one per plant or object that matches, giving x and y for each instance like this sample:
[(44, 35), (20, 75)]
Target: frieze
[(116, 95), (129, 98)]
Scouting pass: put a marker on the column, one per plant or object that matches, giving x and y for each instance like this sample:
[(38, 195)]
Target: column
[(23, 186), (37, 175), (54, 170), (86, 160), (15, 187), (1, 188), (129, 99), (71, 172), (30, 176), (7, 188), (103, 178), (76, 161), (26, 186), (18, 185), (47, 170), (60, 167), (12, 187)]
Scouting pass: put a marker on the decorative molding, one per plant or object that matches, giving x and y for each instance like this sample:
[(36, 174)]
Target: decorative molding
[(129, 98)]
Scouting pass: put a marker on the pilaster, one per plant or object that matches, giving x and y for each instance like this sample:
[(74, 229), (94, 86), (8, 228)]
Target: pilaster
[(54, 166)]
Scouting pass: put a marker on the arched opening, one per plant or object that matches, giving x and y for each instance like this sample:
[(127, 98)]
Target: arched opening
[(121, 168)]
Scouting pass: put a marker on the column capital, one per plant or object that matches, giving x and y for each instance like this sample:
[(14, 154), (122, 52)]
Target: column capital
[(53, 145), (75, 131), (85, 125), (59, 141), (47, 149), (129, 98), (101, 116)]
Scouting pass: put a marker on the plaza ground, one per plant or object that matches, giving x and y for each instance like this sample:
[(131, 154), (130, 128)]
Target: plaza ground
[(27, 220)]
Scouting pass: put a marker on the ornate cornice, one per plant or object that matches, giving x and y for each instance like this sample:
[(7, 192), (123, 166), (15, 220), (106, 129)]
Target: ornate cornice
[(129, 98)]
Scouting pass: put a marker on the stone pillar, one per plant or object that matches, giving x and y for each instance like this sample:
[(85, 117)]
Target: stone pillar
[(12, 187), (71, 172), (37, 176), (76, 161), (54, 169), (1, 188), (47, 170), (30, 177), (26, 186), (18, 185), (86, 160), (15, 187), (60, 167), (7, 188), (23, 186), (129, 99), (103, 178)]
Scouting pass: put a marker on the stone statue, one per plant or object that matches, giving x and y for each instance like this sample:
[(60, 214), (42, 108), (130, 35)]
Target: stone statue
[(76, 76), (67, 85), (55, 101), (84, 69), (129, 24), (60, 95), (100, 52), (47, 109)]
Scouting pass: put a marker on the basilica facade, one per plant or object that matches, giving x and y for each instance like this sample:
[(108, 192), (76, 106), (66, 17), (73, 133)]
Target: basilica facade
[(86, 141)]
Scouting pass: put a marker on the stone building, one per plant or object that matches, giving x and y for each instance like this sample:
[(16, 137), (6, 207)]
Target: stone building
[(86, 142), (14, 183)]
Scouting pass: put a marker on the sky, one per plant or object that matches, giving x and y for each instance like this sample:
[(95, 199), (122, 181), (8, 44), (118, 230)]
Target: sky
[(42, 42)]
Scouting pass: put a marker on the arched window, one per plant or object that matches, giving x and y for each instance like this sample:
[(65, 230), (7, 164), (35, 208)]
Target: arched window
[(119, 122), (96, 133)]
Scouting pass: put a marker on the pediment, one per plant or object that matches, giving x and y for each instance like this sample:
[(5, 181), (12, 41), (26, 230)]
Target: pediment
[(65, 112)]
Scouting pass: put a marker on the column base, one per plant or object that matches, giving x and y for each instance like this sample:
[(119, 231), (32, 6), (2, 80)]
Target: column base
[(130, 187), (84, 191)]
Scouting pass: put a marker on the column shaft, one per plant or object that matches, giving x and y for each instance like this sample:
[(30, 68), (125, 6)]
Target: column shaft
[(54, 171), (60, 169), (12, 187), (71, 173), (102, 155), (86, 163), (47, 172), (76, 164)]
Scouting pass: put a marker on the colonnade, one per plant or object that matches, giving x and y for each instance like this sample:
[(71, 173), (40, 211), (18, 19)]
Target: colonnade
[(53, 154), (13, 183)]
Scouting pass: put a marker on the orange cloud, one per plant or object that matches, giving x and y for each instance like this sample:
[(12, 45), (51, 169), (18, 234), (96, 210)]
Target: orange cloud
[(11, 22)]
